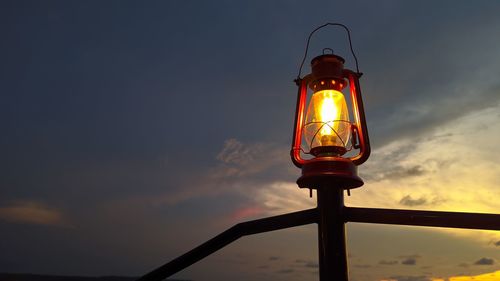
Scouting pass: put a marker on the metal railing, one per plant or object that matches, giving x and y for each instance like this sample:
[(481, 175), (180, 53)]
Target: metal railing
[(343, 215)]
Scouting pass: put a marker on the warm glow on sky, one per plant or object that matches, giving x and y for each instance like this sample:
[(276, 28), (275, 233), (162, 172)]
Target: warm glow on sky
[(443, 170), (493, 276)]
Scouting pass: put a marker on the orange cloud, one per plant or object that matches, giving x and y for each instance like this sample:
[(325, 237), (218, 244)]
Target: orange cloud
[(246, 212), (30, 212), (493, 276)]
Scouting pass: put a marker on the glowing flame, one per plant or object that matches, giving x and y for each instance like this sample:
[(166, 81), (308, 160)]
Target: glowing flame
[(328, 113)]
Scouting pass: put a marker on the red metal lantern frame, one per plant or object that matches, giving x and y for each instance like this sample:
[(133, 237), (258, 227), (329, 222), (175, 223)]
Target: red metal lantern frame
[(331, 170)]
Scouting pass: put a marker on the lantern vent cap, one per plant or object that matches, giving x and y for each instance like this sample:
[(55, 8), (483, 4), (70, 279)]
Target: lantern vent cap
[(327, 58), (328, 66)]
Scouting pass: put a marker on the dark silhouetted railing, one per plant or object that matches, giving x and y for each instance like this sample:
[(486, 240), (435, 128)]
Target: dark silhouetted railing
[(345, 214)]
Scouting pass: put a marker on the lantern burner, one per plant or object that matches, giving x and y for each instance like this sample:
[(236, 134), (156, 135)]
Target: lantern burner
[(328, 150)]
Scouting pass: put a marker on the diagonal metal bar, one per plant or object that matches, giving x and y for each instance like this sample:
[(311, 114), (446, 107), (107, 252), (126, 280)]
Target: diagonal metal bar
[(230, 235), (423, 218)]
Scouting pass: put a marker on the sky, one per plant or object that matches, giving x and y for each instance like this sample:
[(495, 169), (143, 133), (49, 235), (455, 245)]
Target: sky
[(134, 131)]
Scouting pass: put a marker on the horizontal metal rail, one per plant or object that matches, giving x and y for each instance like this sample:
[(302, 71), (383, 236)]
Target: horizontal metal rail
[(350, 214), (230, 235), (423, 218)]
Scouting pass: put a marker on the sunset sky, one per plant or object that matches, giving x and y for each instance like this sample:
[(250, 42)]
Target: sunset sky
[(131, 132)]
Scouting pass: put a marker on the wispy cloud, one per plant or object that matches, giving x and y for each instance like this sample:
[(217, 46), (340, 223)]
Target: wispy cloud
[(238, 159), (364, 266), (484, 261), (284, 197), (409, 261), (235, 152), (239, 168), (416, 117), (307, 263), (246, 212), (409, 201), (423, 200), (285, 271), (408, 278), (453, 168), (391, 262), (32, 212)]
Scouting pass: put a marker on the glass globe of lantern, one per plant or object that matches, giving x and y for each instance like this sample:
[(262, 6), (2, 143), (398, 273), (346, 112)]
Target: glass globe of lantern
[(327, 129)]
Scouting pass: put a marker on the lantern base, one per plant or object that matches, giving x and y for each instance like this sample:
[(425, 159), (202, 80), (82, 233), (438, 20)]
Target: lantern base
[(330, 172)]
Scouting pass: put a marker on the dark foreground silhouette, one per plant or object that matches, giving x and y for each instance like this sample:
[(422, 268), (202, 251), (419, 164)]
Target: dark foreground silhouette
[(36, 277)]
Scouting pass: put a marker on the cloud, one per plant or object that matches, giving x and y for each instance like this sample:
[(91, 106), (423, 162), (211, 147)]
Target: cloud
[(426, 267), (457, 170), (414, 256), (246, 159), (417, 117), (283, 197), (485, 261), (407, 278), (398, 172), (307, 264), (285, 271), (242, 168), (235, 152), (497, 243), (246, 212), (409, 261), (408, 201), (362, 265), (312, 265), (432, 172), (384, 262), (31, 212)]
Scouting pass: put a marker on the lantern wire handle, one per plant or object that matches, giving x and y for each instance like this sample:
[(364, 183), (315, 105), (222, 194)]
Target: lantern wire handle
[(320, 27)]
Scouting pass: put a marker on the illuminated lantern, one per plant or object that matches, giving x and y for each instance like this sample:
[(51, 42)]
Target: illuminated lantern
[(323, 128)]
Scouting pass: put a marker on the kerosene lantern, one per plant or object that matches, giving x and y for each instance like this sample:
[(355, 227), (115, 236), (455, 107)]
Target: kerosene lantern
[(323, 127)]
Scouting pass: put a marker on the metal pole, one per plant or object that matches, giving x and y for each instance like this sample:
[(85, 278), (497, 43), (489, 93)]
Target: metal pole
[(331, 235)]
